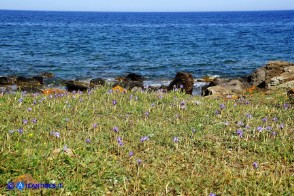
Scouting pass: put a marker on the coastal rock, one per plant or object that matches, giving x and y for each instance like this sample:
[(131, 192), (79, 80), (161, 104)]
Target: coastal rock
[(97, 82), (24, 81), (47, 75), (73, 85), (290, 94), (184, 80), (40, 79), (272, 75), (224, 87), (135, 77), (7, 80)]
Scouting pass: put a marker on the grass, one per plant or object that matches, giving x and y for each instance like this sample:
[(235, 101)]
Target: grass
[(192, 146)]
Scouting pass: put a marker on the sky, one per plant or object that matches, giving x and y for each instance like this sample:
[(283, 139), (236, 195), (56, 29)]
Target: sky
[(147, 5)]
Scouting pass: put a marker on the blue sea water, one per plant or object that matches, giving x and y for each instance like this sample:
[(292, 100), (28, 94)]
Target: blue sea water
[(80, 45)]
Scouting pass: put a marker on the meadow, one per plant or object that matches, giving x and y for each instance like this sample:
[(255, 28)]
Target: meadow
[(148, 143)]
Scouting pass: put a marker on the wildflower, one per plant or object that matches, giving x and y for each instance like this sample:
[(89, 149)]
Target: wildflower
[(145, 138), (131, 153), (181, 86), (131, 96), (147, 114), (65, 148), (119, 141), (286, 106), (94, 125), (268, 128), (264, 119), (115, 129), (275, 119), (212, 194), (249, 116), (247, 127), (182, 104), (259, 129), (34, 121), (34, 102), (235, 105), (20, 131), (222, 106), (152, 105), (255, 165), (281, 126), (20, 100), (114, 102), (88, 140), (56, 134), (29, 109), (240, 123), (25, 121), (193, 130), (240, 133), (176, 139), (274, 133), (217, 112), (247, 102), (139, 161)]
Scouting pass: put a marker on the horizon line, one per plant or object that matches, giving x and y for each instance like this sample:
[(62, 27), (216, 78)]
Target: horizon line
[(142, 11)]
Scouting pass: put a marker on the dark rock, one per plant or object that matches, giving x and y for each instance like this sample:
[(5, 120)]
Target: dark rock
[(30, 89), (40, 79), (290, 94), (135, 77), (129, 84), (47, 75), (7, 80), (97, 82), (184, 80), (23, 81), (76, 86)]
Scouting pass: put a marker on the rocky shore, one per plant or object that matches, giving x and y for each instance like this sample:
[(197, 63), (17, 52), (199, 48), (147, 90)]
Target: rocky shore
[(275, 74)]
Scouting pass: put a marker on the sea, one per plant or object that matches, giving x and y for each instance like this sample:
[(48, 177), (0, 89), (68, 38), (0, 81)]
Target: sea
[(85, 45)]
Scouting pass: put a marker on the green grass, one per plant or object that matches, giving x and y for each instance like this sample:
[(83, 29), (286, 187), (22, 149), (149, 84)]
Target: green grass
[(214, 159)]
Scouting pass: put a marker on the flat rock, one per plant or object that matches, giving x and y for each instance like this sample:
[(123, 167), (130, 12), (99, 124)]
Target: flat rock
[(97, 82), (73, 85)]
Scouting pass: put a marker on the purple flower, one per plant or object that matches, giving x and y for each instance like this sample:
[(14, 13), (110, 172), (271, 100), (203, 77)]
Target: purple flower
[(193, 130), (235, 105), (275, 119), (25, 121), (65, 148), (34, 102), (115, 129), (247, 102), (94, 125), (240, 123), (268, 128), (20, 131), (145, 138), (255, 165), (247, 127), (147, 114), (139, 161), (29, 109), (34, 121), (212, 194), (20, 100), (217, 112), (88, 140), (183, 104), (286, 106), (274, 133), (119, 141), (240, 133), (56, 134), (222, 106), (131, 153), (114, 102), (282, 126), (176, 139), (259, 129), (131, 96), (249, 116), (264, 119), (181, 86)]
